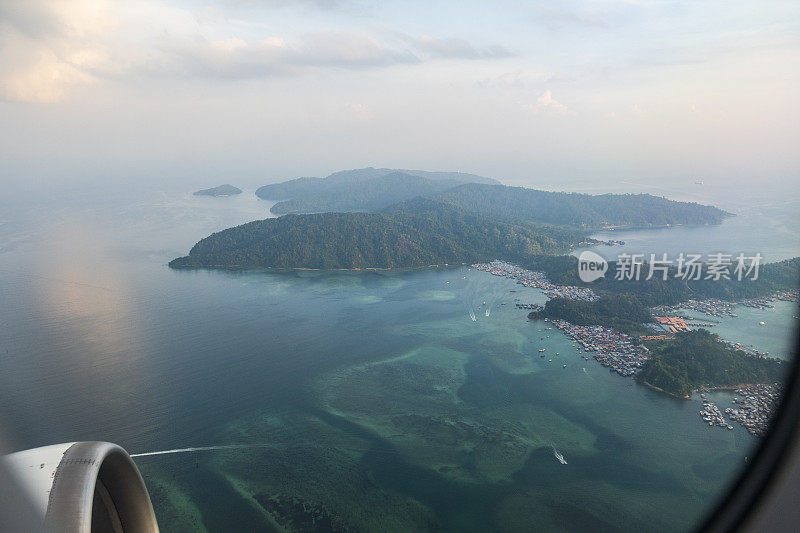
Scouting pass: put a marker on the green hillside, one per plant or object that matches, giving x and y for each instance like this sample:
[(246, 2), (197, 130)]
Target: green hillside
[(418, 233)]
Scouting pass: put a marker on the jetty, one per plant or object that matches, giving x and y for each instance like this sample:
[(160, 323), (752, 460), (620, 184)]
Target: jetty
[(537, 280)]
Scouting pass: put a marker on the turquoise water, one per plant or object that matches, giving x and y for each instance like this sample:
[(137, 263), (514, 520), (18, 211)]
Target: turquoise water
[(765, 221), (774, 336), (371, 401)]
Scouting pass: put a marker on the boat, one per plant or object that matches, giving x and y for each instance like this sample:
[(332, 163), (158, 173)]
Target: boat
[(559, 456), (542, 349)]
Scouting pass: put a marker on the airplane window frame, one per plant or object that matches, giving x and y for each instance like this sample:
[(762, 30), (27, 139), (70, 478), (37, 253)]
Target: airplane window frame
[(745, 499)]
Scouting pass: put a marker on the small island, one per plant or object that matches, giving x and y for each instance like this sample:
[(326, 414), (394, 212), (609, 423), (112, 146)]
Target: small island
[(222, 190), (697, 360), (614, 324)]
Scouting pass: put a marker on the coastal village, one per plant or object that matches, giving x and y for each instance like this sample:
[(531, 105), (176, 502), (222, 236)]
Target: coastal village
[(612, 349), (754, 405), (537, 280), (719, 308), (625, 355)]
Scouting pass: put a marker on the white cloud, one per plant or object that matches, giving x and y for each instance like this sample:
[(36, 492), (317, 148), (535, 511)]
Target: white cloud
[(48, 48), (240, 59), (547, 104), (515, 78)]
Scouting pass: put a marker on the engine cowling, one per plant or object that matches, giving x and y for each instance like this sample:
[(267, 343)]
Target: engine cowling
[(80, 487)]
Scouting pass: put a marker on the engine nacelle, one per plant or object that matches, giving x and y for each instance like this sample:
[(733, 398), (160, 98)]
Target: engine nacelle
[(80, 487)]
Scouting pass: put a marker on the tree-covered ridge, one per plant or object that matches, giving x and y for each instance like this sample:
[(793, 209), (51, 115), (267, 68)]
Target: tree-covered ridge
[(365, 189), (372, 189), (623, 312), (578, 210), (370, 195), (772, 277), (624, 304), (222, 190), (419, 233), (696, 359)]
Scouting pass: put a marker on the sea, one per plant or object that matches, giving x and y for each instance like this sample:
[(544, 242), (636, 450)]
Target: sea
[(367, 401)]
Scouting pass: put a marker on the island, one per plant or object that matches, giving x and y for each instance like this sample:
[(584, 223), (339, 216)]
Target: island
[(675, 360), (372, 190), (697, 360), (613, 326), (627, 304), (600, 211), (221, 190), (388, 218), (416, 233), (365, 189)]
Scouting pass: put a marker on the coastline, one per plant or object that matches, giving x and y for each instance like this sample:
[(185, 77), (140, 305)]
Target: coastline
[(659, 389), (312, 269)]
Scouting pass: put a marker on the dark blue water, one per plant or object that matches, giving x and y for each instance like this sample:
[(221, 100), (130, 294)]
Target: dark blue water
[(372, 400)]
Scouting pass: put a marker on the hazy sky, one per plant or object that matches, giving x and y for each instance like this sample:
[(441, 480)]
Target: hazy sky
[(522, 91)]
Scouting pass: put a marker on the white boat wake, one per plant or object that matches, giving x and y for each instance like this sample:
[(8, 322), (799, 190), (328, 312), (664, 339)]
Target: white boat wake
[(559, 456), (472, 315), (197, 449), (488, 311)]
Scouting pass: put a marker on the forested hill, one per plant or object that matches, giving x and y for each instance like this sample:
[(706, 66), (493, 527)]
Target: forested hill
[(370, 195), (780, 275), (366, 189), (699, 359), (578, 210), (420, 233), (222, 190), (372, 190)]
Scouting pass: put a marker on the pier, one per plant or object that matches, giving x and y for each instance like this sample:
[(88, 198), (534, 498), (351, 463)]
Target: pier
[(610, 348), (537, 280)]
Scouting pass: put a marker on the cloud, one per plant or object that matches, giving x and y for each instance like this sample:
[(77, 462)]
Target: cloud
[(237, 58), (47, 48), (510, 79), (547, 104), (272, 4), (455, 48), (519, 79), (240, 59)]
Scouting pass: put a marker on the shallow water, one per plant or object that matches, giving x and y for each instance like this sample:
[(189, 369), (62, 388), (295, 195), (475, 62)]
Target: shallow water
[(371, 400)]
